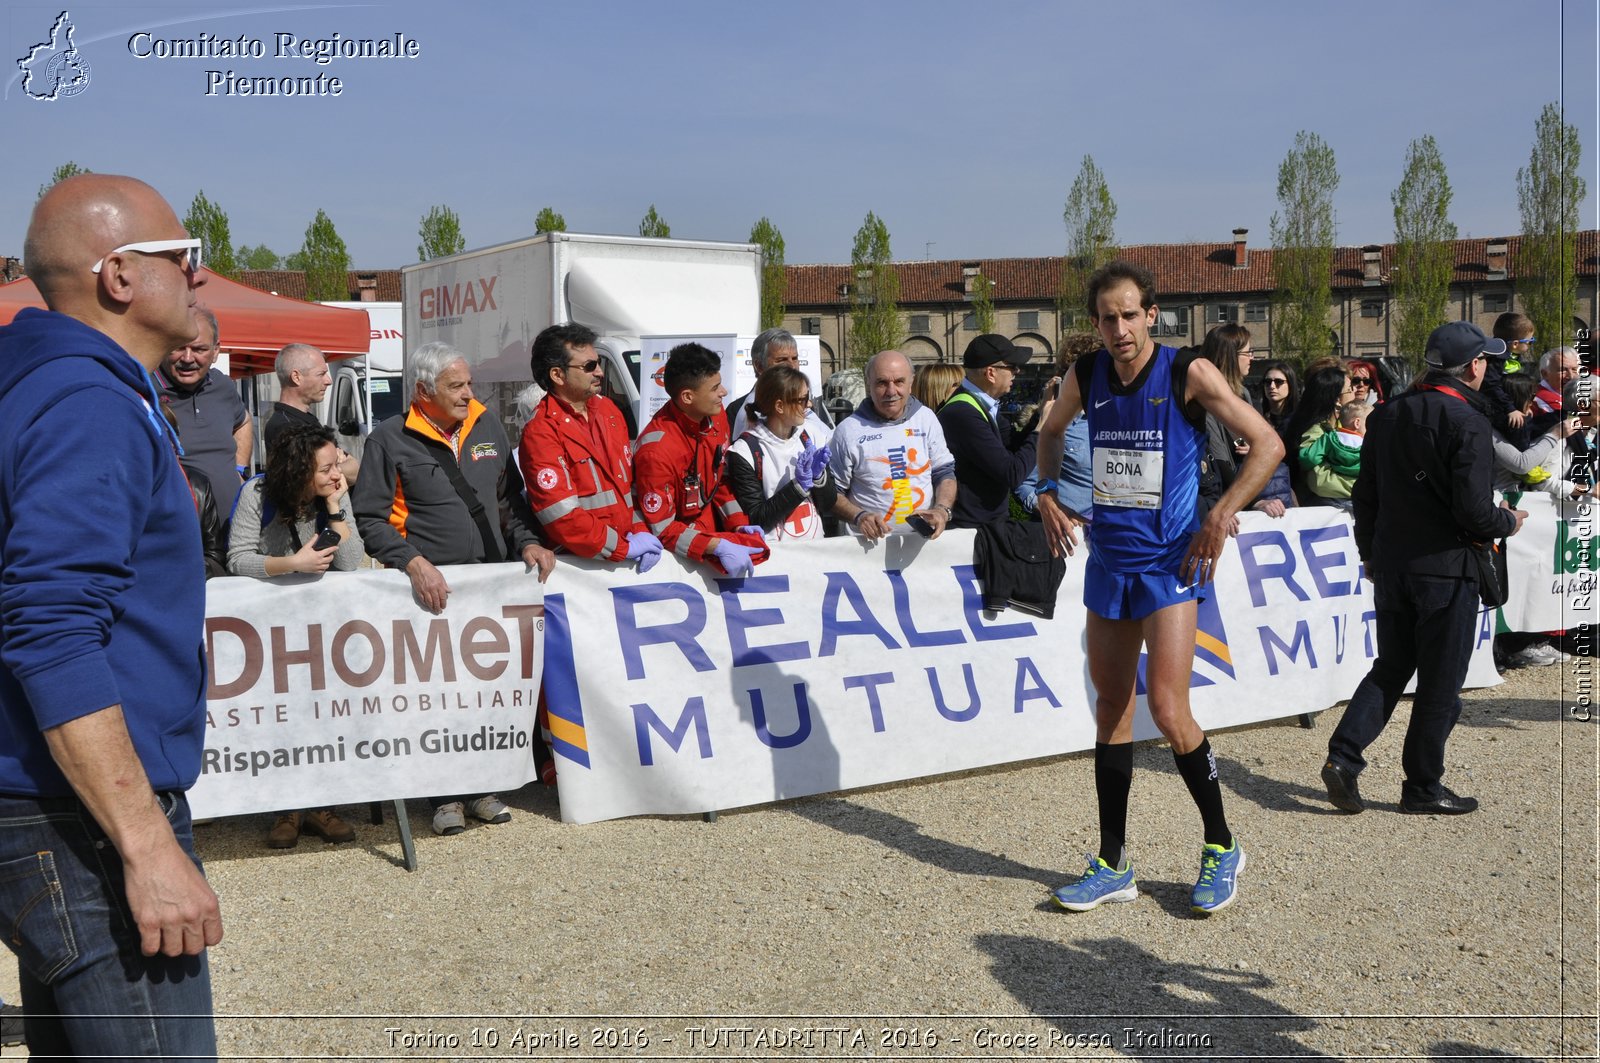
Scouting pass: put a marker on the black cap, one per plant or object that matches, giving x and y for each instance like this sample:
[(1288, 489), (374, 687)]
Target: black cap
[(990, 349), (1458, 343)]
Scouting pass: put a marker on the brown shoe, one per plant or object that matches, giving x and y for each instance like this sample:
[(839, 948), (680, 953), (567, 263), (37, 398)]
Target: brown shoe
[(327, 826), (284, 833)]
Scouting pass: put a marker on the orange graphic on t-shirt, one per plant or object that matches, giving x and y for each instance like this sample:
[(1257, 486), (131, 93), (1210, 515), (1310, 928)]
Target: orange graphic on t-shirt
[(903, 492)]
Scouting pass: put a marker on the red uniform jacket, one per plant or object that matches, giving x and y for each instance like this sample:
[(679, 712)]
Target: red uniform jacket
[(579, 476), (677, 472)]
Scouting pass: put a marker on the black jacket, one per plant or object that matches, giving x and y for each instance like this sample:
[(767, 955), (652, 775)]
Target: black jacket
[(990, 464), (1425, 487)]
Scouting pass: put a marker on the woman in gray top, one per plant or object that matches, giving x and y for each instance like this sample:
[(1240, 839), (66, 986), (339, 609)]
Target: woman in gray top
[(296, 519)]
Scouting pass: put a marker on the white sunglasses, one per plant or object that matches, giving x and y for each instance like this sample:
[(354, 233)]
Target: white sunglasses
[(151, 247)]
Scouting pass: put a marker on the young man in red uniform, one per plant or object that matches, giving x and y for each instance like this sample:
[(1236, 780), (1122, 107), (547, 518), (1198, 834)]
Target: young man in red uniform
[(575, 459), (678, 469)]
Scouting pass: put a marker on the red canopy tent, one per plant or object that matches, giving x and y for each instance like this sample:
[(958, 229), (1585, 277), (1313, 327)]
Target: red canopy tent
[(254, 324)]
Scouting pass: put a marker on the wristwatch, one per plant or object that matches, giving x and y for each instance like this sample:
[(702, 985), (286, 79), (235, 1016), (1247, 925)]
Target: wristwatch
[(1050, 486)]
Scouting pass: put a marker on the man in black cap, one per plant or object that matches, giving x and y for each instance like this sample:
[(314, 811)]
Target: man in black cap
[(1422, 499), (991, 460)]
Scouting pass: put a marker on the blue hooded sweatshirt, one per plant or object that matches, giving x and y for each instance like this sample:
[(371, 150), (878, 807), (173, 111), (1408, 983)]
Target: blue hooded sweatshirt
[(102, 592)]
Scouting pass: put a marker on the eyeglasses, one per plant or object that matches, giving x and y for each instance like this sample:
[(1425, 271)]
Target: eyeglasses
[(190, 263), (1361, 381), (587, 367), (1276, 382), (1529, 342)]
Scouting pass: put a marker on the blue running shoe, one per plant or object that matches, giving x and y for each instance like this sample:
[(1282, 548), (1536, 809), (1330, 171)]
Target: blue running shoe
[(1100, 884), (1219, 878)]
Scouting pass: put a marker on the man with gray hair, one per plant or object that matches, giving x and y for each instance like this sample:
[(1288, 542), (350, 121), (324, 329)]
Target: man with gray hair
[(777, 346), (213, 424), (1570, 470), (438, 487), (1557, 368)]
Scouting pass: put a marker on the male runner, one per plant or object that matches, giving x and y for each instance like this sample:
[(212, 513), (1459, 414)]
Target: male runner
[(1150, 559)]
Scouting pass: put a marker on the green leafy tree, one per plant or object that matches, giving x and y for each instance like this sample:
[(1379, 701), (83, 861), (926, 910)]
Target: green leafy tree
[(549, 221), (1424, 257), (1091, 219), (440, 232), (61, 173), (874, 290), (653, 224), (259, 257), (295, 261), (774, 280), (1549, 192), (325, 260), (209, 222), (983, 302), (1302, 239)]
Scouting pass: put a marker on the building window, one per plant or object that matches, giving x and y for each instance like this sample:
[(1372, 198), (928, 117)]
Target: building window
[(1255, 311), (1222, 313), (1173, 322), (919, 323), (811, 326), (1372, 308), (1027, 319), (1498, 303), (969, 321)]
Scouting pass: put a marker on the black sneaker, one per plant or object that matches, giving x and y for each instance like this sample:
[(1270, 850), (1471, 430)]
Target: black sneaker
[(1342, 790), (1446, 803)]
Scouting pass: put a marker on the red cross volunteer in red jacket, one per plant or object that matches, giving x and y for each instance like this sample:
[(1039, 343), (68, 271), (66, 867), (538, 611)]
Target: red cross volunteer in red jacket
[(678, 469), (574, 456)]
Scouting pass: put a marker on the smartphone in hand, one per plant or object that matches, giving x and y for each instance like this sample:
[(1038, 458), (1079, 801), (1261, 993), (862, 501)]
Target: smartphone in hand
[(325, 538)]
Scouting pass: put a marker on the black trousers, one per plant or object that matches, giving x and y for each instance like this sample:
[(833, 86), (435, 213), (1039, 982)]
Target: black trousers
[(1425, 627)]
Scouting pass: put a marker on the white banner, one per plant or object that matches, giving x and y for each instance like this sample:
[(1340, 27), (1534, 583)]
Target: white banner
[(841, 664), (341, 689), (1552, 565)]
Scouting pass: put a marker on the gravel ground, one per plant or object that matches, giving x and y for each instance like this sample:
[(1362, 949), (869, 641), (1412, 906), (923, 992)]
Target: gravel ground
[(912, 921)]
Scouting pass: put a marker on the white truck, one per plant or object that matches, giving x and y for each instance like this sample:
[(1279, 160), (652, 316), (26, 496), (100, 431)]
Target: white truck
[(364, 390), (490, 303)]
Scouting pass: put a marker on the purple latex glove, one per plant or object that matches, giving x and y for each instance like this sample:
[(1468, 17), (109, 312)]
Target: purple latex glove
[(819, 465), (752, 529), (805, 471), (644, 548), (736, 560)]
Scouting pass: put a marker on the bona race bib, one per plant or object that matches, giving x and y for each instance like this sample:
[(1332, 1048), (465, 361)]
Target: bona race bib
[(1128, 478)]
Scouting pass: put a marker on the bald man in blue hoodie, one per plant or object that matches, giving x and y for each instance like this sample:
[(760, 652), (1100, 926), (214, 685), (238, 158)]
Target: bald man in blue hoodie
[(102, 674)]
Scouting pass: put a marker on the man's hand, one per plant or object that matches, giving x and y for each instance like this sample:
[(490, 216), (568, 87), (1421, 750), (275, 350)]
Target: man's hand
[(1206, 546), (735, 560), (427, 584), (752, 529), (1272, 507), (645, 549), (1522, 515), (936, 518), (536, 556), (173, 905), (871, 526), (1060, 529)]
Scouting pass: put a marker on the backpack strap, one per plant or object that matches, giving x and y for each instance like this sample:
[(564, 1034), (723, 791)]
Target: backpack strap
[(452, 469)]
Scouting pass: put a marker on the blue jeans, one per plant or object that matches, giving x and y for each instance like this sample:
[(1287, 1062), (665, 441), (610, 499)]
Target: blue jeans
[(86, 988), (1425, 627)]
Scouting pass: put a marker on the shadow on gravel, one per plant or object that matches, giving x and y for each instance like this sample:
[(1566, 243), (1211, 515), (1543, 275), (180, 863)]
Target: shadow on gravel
[(1277, 795), (1455, 1052), (907, 837), (1509, 712), (1146, 1005)]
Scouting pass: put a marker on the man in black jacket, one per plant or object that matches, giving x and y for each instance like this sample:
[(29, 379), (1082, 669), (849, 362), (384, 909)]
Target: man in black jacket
[(1423, 497), (991, 461)]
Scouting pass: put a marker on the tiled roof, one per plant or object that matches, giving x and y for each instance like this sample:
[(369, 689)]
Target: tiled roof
[(291, 284), (1181, 269)]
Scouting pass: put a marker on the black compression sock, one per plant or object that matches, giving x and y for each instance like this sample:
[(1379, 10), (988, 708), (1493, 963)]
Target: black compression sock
[(1113, 778), (1199, 770)]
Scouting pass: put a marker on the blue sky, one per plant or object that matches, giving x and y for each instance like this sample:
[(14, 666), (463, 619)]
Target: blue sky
[(961, 125)]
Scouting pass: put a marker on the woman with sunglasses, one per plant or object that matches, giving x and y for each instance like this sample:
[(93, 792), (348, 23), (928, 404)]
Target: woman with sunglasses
[(1280, 393), (1228, 348), (1365, 383), (778, 469)]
